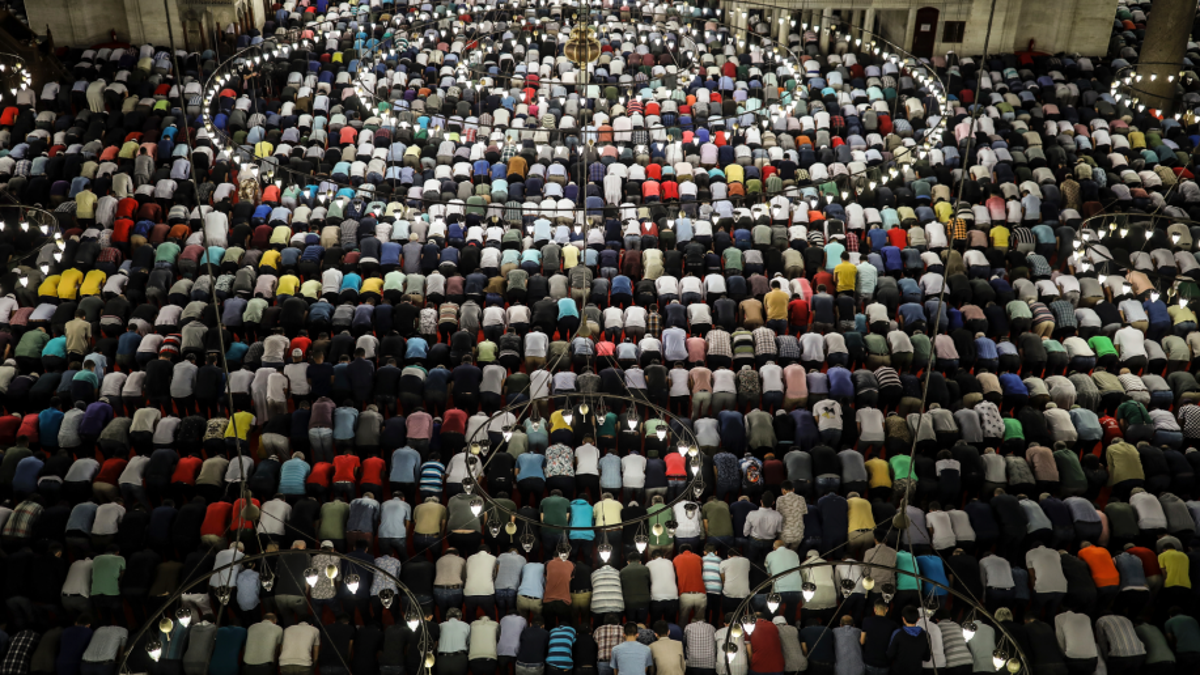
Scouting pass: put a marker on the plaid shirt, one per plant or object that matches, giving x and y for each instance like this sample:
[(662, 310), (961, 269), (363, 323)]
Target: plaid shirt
[(20, 523), (109, 255), (654, 324), (597, 171), (700, 638), (606, 638), (851, 242), (764, 341), (510, 150), (1064, 314), (719, 343), (20, 653), (788, 347), (958, 229)]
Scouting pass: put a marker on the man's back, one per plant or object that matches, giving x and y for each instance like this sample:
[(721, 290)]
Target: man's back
[(632, 658)]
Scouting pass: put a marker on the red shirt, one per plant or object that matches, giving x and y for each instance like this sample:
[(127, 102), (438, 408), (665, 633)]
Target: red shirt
[(798, 312), (898, 237), (241, 523), (676, 466), (689, 571), (345, 467), (186, 470), (1149, 560), (454, 422), (29, 427), (8, 429), (768, 650), (216, 518), (372, 471), (302, 343), (1112, 430), (322, 474), (110, 471)]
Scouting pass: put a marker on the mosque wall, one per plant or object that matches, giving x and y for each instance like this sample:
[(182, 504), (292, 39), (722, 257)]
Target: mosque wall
[(84, 23)]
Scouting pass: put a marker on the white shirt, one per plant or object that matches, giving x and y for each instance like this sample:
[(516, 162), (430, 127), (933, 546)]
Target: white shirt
[(662, 579)]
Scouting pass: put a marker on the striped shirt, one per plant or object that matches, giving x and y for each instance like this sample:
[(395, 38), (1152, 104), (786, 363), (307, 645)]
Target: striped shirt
[(954, 644), (711, 575), (1116, 637), (606, 592), (432, 474), (562, 640)]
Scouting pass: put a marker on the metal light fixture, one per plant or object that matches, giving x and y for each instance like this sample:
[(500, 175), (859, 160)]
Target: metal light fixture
[(809, 589), (413, 618), (605, 551), (999, 657), (641, 541), (310, 576), (968, 630), (868, 582), (774, 600), (510, 528), (331, 571), (352, 583), (154, 649), (166, 625), (568, 416), (386, 597), (184, 615), (476, 504), (748, 623)]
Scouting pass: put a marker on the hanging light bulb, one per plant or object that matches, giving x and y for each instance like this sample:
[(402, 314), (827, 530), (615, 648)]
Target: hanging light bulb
[(564, 550), (352, 583), (468, 484), (774, 600), (224, 593), (494, 528), (605, 551), (748, 623), (412, 617), (268, 582), (640, 542), (999, 658), (166, 625), (731, 649), (661, 432), (671, 527), (809, 589), (476, 505), (507, 433), (310, 576), (632, 420), (387, 596), (527, 541), (968, 630), (184, 614), (568, 416), (154, 649)]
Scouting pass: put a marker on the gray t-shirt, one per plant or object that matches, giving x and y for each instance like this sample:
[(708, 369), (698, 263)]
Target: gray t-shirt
[(262, 643), (1046, 565), (201, 640), (107, 642)]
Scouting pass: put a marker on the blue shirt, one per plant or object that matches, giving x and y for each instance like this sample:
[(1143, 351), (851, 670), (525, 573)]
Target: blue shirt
[(533, 580), (292, 476), (631, 658), (344, 419), (529, 465), (932, 568), (247, 589), (405, 462), (581, 516), (562, 639)]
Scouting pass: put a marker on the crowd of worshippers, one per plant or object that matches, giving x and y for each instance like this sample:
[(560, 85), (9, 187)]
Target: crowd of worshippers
[(947, 372)]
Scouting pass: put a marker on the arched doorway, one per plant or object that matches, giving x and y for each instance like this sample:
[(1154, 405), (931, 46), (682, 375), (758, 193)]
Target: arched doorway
[(925, 32)]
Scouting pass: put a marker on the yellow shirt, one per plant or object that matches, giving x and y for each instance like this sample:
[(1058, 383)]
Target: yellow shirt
[(845, 274), (879, 475), (311, 289), (372, 285), (269, 259), (1175, 566), (85, 204), (999, 236), (288, 284), (281, 235), (557, 423), (49, 287), (860, 515), (570, 257), (776, 304), (244, 421), (68, 287), (93, 282)]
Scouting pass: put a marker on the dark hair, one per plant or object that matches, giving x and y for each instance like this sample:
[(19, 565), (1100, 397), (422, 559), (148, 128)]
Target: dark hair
[(631, 628), (661, 627), (910, 614)]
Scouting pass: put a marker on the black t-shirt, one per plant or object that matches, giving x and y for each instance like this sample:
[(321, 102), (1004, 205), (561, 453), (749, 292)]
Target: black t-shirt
[(586, 651), (965, 569), (819, 642), (878, 630), (418, 573), (304, 514), (335, 644), (1009, 513), (395, 643), (1081, 588), (500, 466), (367, 641), (1044, 644), (321, 375), (534, 642)]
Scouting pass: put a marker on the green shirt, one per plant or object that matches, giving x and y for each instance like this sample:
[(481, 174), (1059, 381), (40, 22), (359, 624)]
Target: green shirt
[(1186, 631), (555, 512), (659, 513), (1102, 345), (716, 515), (922, 349), (1133, 412), (905, 561), (901, 466), (106, 574), (333, 520), (167, 251), (1013, 429), (31, 344)]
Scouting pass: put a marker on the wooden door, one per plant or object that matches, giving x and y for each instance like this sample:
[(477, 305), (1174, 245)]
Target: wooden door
[(925, 32)]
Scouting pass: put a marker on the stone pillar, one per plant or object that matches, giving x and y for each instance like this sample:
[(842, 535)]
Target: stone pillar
[(908, 29), (1167, 32), (826, 21), (869, 24), (784, 28)]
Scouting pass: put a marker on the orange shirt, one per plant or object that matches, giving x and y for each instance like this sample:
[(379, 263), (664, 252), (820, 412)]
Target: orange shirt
[(345, 467), (689, 572), (1104, 571)]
